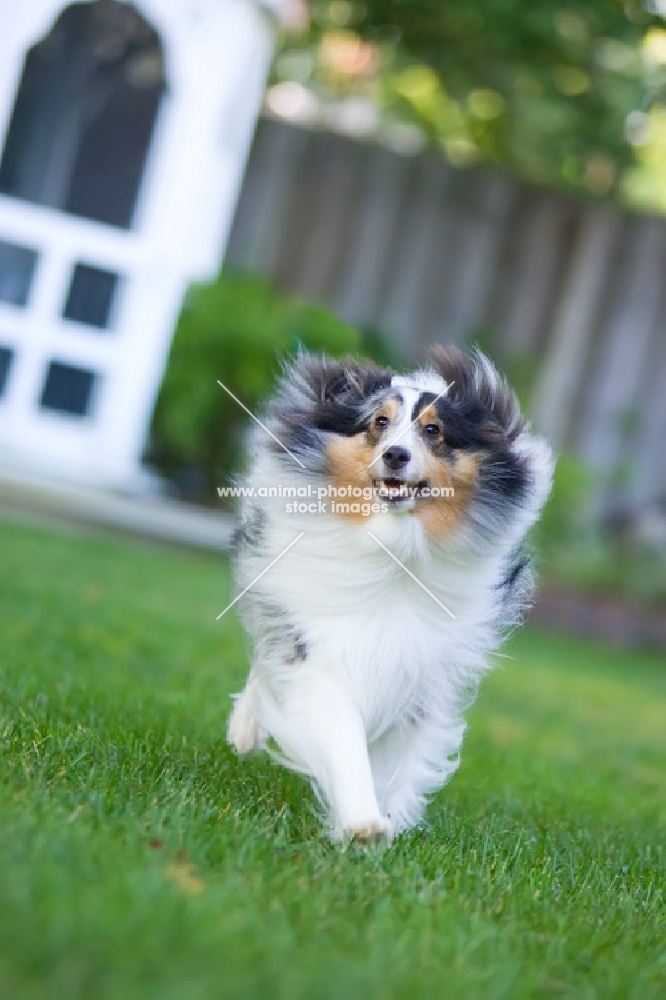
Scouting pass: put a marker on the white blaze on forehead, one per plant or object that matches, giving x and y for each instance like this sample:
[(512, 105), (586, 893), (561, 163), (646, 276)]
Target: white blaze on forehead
[(411, 387), (409, 397), (421, 381)]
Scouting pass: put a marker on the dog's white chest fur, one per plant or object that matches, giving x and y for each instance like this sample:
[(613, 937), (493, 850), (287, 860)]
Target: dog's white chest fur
[(396, 644)]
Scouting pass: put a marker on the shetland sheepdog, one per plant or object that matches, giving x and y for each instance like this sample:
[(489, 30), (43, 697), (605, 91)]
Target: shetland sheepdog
[(382, 542)]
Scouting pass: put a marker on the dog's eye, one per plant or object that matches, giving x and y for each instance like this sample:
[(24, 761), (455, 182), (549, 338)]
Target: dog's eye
[(431, 429), (381, 422)]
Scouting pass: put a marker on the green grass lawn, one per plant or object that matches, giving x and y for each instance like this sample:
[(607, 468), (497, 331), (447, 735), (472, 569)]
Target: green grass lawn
[(140, 859)]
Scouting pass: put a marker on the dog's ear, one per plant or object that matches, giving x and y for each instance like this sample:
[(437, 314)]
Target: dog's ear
[(316, 393), (476, 385), (330, 379), (337, 390)]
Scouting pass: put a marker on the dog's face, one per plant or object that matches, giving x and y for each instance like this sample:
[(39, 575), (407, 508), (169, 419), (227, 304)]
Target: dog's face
[(429, 444), (400, 450)]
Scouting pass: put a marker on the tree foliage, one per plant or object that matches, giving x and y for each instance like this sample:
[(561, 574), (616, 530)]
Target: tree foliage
[(558, 91)]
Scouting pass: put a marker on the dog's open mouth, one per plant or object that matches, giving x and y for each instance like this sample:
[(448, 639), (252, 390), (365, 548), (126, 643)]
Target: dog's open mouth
[(398, 490)]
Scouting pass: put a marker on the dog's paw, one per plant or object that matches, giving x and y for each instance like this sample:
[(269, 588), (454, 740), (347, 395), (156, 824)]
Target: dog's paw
[(374, 832), (243, 731)]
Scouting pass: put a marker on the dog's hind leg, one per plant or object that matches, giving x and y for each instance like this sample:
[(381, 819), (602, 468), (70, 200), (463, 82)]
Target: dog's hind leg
[(243, 731)]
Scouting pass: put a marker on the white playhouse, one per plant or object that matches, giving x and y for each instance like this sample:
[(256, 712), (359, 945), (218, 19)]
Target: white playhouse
[(124, 130)]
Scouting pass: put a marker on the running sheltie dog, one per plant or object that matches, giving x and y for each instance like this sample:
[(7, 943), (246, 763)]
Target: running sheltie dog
[(382, 541)]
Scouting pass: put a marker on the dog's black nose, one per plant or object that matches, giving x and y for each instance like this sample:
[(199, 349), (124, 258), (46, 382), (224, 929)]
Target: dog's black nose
[(396, 457)]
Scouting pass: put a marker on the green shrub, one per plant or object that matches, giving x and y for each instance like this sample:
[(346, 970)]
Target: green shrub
[(579, 549), (568, 514), (235, 330)]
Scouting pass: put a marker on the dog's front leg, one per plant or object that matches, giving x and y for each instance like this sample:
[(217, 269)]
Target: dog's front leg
[(326, 733)]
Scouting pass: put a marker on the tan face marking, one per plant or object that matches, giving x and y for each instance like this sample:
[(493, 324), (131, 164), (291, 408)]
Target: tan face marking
[(349, 458), (442, 515), (391, 410), (430, 417)]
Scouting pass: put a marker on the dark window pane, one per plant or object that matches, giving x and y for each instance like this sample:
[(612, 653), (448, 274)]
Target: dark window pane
[(6, 358), (67, 389), (112, 151), (85, 112), (17, 266), (90, 296)]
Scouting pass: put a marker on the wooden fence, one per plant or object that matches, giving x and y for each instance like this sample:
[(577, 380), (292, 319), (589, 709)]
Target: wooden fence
[(422, 252)]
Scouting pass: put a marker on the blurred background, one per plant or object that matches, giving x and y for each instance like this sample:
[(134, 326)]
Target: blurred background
[(433, 171)]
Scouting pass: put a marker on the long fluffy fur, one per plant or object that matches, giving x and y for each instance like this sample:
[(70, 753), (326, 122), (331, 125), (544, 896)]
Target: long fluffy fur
[(359, 678)]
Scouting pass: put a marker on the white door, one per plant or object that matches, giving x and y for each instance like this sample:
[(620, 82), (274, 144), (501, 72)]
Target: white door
[(72, 255)]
